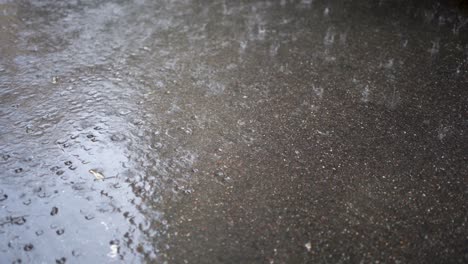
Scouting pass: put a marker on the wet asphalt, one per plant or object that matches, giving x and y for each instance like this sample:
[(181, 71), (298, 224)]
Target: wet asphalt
[(233, 131)]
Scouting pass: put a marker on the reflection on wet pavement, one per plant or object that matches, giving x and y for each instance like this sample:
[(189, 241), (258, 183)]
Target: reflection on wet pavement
[(233, 131)]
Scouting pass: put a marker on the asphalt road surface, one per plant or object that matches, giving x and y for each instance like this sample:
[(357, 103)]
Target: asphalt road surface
[(214, 131)]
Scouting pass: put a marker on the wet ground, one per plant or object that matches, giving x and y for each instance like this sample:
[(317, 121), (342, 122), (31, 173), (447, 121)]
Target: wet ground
[(233, 131)]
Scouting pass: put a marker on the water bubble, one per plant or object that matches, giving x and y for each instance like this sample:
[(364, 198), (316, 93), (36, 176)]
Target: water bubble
[(39, 232), (60, 231), (18, 170), (68, 163)]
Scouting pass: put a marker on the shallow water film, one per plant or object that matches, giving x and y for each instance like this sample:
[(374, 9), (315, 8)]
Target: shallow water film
[(189, 131)]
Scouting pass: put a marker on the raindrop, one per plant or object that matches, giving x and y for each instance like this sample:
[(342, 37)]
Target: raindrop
[(157, 145), (78, 186), (89, 217), (117, 137), (68, 163), (28, 247), (61, 261), (6, 157), (308, 246), (54, 211), (114, 251), (60, 231), (222, 176), (42, 195), (39, 232), (18, 170), (61, 141), (18, 220)]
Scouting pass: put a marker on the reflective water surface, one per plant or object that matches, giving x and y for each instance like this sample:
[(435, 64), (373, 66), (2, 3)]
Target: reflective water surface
[(196, 131)]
